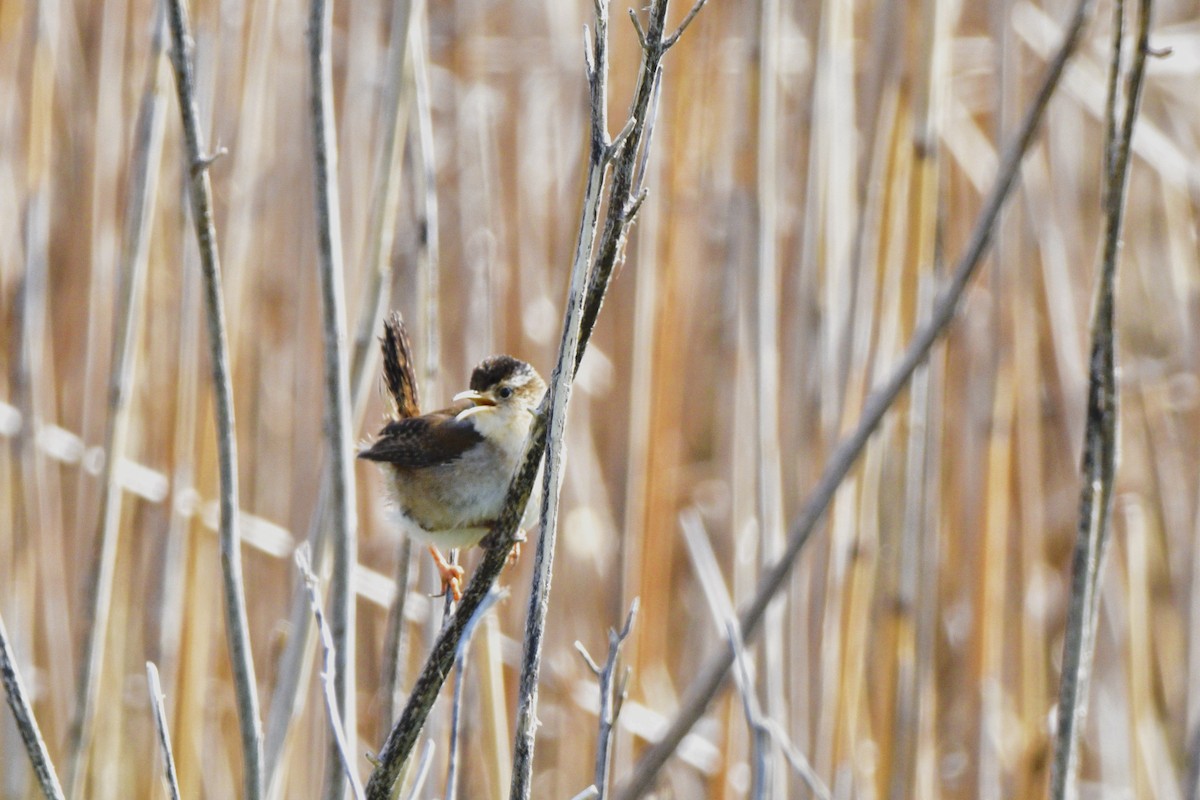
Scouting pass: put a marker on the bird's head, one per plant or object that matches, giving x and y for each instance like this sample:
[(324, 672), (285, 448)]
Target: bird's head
[(504, 383)]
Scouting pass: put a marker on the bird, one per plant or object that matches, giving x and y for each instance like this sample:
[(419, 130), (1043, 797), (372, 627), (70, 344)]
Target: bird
[(448, 471)]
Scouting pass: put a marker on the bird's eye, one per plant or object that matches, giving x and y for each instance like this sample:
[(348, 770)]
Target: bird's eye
[(505, 392)]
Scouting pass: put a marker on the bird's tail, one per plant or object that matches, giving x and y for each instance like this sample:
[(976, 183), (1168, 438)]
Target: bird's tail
[(399, 376)]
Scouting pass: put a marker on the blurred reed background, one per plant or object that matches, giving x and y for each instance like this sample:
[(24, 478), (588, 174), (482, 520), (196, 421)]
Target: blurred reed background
[(814, 167)]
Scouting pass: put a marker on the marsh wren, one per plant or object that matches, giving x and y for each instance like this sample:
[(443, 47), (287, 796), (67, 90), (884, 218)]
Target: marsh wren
[(448, 471)]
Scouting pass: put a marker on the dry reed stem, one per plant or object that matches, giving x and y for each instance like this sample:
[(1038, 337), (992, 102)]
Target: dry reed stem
[(343, 518), (1100, 435), (18, 701), (200, 194), (143, 185), (712, 675)]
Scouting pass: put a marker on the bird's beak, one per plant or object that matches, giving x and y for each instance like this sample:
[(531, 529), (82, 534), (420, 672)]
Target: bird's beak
[(478, 398)]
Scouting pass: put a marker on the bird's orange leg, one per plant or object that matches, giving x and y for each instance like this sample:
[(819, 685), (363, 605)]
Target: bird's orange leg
[(514, 555), (452, 574)]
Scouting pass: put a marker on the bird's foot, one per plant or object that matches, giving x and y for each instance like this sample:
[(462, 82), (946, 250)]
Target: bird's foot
[(452, 574), (514, 555)]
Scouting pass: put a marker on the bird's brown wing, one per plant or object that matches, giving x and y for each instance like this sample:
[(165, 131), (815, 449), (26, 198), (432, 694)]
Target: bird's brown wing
[(399, 374), (426, 441)]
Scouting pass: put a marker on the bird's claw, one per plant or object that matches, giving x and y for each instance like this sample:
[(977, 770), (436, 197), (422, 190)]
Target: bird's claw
[(451, 574)]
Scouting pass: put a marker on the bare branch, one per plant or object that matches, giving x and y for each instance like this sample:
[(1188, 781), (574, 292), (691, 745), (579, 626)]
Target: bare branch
[(1100, 434), (614, 147), (205, 160), (154, 686), (236, 627), (587, 658), (637, 26), (329, 672), (287, 700), (670, 41), (611, 697), (18, 701)]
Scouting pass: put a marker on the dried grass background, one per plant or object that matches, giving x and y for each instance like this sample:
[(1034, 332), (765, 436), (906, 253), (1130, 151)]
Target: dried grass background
[(814, 166)]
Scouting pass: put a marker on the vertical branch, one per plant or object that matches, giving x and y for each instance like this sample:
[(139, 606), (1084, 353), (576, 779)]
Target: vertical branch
[(612, 695), (154, 686), (337, 392), (200, 190), (18, 701), (143, 186), (1100, 433), (329, 672), (596, 59)]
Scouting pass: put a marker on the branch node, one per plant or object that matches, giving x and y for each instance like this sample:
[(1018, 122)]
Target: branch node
[(589, 55), (614, 147), (587, 658), (202, 163), (632, 209), (637, 26), (670, 41)]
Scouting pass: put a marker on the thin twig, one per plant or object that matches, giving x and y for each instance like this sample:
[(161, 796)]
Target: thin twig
[(423, 766), (1100, 434), (670, 41), (760, 735), (394, 640), (143, 187), (160, 722), (287, 700), (704, 562), (329, 672), (611, 696), (18, 701), (337, 388), (236, 627), (559, 396), (713, 674), (494, 596)]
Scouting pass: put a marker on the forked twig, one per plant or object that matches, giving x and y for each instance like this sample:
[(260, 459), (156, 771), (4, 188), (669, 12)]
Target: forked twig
[(612, 696)]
